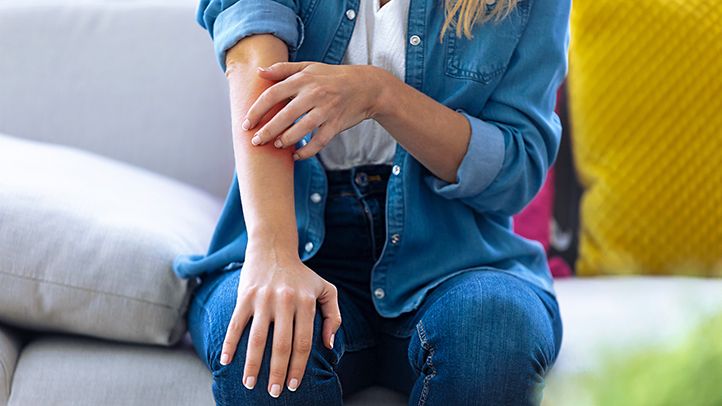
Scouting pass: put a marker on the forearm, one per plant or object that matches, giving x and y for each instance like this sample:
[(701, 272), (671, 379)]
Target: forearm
[(265, 173), (434, 134)]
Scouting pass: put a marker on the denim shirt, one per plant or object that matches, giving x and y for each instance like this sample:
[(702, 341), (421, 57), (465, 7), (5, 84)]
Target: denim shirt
[(503, 81)]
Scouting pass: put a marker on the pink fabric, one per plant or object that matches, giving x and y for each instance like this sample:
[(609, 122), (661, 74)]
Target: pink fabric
[(534, 222)]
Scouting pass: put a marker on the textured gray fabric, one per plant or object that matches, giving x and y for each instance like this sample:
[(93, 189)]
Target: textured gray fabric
[(132, 80), (87, 244), (10, 345), (69, 370)]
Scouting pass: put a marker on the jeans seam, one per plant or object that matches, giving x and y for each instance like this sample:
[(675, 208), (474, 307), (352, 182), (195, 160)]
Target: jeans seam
[(209, 323), (208, 334), (220, 392), (429, 361)]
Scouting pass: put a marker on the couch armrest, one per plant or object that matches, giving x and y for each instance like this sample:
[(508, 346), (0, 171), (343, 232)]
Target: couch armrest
[(132, 80)]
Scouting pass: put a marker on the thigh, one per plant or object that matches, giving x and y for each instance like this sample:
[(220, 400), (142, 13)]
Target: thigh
[(480, 337)]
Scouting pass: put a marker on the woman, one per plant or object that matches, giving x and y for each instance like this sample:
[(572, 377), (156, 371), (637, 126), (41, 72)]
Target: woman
[(366, 237)]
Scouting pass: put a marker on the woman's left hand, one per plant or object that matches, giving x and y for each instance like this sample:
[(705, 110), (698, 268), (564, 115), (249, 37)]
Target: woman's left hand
[(332, 97)]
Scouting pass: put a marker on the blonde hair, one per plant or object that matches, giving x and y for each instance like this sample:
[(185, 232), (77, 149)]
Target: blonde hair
[(464, 14)]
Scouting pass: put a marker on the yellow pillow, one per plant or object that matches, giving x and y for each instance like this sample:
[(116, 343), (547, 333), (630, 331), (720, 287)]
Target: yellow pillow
[(645, 94)]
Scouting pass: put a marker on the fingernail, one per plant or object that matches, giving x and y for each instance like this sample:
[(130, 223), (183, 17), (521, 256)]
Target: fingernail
[(256, 140), (224, 359), (246, 124), (250, 382), (296, 157), (332, 336), (278, 144), (275, 390), (293, 385), (262, 69)]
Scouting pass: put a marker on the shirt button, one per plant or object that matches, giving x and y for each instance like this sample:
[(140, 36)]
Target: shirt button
[(350, 14), (415, 40), (315, 197), (396, 170), (308, 247), (379, 293), (395, 239)]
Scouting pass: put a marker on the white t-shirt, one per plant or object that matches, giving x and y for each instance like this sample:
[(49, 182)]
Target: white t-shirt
[(379, 39)]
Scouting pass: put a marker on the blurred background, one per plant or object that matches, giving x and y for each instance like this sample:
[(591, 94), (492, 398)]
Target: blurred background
[(115, 156)]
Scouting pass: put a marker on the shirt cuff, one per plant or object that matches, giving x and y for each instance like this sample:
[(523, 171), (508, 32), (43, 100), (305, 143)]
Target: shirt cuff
[(246, 18), (480, 165)]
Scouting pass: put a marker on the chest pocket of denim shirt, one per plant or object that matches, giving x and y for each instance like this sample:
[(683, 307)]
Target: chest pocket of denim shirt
[(485, 57)]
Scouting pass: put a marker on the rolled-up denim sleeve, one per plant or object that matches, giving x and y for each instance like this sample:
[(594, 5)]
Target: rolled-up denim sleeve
[(229, 21), (515, 136)]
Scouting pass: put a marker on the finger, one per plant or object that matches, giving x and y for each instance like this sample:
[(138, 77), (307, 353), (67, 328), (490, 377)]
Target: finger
[(282, 120), (281, 70), (256, 344), (331, 313), (238, 322), (270, 97), (317, 143), (298, 130), (281, 350), (302, 342)]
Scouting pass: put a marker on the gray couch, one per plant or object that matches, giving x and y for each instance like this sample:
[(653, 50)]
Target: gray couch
[(137, 81)]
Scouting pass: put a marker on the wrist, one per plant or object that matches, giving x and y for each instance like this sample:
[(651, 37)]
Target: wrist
[(267, 242), (383, 85)]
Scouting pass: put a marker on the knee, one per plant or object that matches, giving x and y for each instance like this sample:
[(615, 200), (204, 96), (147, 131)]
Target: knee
[(215, 313), (487, 326)]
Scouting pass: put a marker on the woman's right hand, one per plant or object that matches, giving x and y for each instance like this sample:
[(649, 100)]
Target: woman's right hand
[(277, 287)]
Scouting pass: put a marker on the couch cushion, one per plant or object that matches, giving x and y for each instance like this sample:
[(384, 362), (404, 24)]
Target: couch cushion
[(620, 314), (10, 344), (645, 105), (87, 244), (85, 371)]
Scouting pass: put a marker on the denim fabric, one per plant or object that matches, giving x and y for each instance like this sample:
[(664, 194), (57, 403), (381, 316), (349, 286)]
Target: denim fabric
[(479, 338), (503, 81)]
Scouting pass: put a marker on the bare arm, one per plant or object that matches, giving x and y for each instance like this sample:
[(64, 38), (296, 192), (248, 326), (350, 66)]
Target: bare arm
[(274, 286), (265, 174)]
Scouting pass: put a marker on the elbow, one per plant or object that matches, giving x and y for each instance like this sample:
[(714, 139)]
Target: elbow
[(205, 15), (527, 183), (536, 155), (525, 170)]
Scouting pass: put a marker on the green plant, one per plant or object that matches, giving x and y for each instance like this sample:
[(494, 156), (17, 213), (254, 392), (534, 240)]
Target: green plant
[(686, 373)]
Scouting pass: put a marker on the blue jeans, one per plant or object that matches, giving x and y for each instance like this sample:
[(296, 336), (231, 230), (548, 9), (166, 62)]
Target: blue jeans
[(480, 337)]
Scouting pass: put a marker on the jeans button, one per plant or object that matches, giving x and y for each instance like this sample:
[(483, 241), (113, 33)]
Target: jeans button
[(396, 170), (308, 247), (379, 293), (315, 197), (361, 179), (395, 239)]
